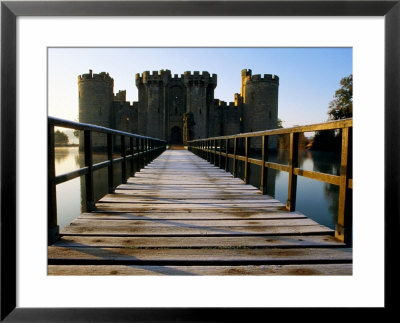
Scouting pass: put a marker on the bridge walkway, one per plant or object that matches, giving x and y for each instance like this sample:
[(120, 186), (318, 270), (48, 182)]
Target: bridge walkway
[(181, 215)]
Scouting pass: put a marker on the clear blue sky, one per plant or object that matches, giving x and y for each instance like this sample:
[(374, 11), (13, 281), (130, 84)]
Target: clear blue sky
[(309, 77)]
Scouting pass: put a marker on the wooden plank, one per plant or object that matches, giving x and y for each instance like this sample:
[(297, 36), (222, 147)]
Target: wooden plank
[(198, 231), (277, 270), (126, 198), (192, 215), (192, 194), (327, 178), (200, 242), (132, 207), (192, 223), (200, 256)]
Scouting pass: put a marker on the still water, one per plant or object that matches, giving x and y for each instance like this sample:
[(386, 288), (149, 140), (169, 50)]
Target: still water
[(317, 200)]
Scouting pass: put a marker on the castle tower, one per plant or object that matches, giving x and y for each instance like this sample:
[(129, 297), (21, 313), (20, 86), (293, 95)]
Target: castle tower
[(199, 98), (96, 94), (260, 102), (152, 100)]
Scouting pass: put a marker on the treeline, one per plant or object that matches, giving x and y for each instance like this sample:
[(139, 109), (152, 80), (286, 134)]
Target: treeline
[(61, 139)]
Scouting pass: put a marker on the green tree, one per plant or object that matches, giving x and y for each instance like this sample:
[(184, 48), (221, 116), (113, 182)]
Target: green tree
[(341, 107), (60, 138)]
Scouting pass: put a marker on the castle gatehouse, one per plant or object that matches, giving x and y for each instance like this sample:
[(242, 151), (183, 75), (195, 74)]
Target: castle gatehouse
[(178, 108)]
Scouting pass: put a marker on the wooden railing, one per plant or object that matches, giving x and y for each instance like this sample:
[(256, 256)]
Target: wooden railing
[(146, 148), (212, 150)]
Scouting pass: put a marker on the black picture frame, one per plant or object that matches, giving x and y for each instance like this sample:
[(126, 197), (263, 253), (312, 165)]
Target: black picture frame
[(10, 10)]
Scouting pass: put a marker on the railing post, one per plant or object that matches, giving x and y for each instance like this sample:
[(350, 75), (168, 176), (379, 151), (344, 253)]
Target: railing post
[(132, 158), (215, 152), (110, 156), (226, 154), (89, 176), (141, 153), (234, 156), (146, 152), (219, 152), (343, 226), (264, 170), (293, 161), (53, 228), (123, 155), (208, 152), (246, 161), (137, 159)]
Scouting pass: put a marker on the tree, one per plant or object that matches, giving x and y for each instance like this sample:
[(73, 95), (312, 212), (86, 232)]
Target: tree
[(60, 138), (341, 107)]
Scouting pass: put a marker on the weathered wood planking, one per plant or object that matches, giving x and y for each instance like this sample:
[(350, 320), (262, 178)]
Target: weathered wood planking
[(128, 270), (183, 216), (199, 242), (209, 256)]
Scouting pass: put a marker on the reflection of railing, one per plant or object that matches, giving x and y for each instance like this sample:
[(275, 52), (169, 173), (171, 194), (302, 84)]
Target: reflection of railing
[(217, 148), (146, 150)]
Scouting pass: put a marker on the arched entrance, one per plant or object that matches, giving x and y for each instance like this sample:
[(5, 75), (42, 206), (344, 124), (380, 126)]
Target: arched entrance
[(176, 136)]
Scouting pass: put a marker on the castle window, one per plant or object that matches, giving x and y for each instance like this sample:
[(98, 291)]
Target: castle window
[(270, 115), (200, 111), (240, 119), (127, 119)]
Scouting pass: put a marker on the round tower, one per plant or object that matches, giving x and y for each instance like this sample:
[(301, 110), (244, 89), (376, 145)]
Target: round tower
[(260, 102), (96, 94)]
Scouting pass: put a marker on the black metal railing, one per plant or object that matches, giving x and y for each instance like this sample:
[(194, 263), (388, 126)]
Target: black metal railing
[(211, 149), (141, 151)]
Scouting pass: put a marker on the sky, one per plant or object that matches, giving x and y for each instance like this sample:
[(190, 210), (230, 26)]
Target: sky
[(308, 77)]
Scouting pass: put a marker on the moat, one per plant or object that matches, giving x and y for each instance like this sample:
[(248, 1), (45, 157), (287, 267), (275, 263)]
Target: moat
[(318, 200)]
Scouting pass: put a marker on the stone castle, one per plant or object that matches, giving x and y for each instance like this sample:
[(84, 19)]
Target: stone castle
[(179, 108)]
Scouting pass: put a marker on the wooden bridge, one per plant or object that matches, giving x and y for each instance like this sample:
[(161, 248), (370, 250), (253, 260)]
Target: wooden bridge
[(179, 214)]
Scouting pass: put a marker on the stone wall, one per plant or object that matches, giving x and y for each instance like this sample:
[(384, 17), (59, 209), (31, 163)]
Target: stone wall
[(163, 100)]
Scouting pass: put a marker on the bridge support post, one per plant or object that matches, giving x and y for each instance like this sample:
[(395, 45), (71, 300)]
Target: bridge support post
[(53, 228), (343, 230), (234, 157), (123, 165), (215, 152), (110, 156), (89, 164), (246, 161), (219, 153), (226, 154), (132, 156), (137, 156), (264, 170), (293, 162)]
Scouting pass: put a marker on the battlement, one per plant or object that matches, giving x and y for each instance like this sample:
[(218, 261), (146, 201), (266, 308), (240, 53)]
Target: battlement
[(120, 96), (223, 104), (265, 78), (101, 77), (154, 76), (238, 99), (197, 77), (246, 72)]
